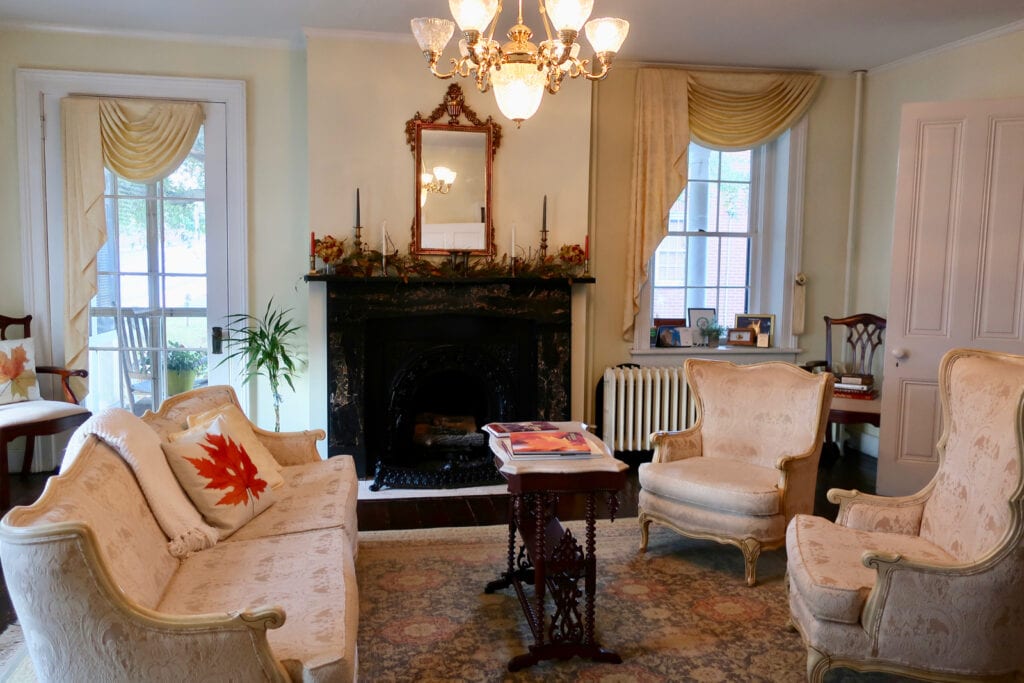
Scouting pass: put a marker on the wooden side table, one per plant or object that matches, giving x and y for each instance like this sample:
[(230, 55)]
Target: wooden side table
[(551, 558)]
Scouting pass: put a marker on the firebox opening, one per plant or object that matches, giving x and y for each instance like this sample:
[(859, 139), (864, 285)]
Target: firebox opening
[(441, 424)]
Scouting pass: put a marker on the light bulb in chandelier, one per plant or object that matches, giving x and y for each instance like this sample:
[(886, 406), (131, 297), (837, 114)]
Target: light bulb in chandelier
[(519, 70)]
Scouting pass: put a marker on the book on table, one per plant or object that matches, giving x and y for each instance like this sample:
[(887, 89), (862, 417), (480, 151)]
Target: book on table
[(506, 428), (855, 378), (854, 388)]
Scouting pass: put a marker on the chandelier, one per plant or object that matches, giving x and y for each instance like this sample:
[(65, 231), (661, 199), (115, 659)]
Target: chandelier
[(519, 70)]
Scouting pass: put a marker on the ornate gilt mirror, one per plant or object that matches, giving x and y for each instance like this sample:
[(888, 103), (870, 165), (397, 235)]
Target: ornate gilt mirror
[(452, 178)]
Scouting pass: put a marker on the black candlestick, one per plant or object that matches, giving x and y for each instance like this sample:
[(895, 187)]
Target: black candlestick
[(544, 231)]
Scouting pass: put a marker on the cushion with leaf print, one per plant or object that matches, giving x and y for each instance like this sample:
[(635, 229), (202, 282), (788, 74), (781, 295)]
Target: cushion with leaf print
[(226, 486), (239, 425), (18, 371)]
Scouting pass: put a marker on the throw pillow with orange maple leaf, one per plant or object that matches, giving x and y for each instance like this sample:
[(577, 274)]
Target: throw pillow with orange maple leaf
[(213, 467), (17, 371)]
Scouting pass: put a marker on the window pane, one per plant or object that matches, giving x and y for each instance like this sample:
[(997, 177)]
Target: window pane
[(677, 214), (189, 180), (733, 302), (703, 163), (701, 206), (185, 237), (102, 332), (105, 382), (189, 331), (135, 291), (702, 261), (670, 261), (131, 228), (130, 189), (735, 261), (185, 292), (669, 302), (734, 208), (736, 165)]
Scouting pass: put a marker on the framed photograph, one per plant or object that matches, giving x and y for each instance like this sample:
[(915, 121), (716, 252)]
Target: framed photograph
[(701, 317), (674, 336), (740, 336), (761, 323)]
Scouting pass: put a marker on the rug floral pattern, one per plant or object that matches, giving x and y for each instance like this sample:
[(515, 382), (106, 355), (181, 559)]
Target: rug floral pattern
[(680, 612)]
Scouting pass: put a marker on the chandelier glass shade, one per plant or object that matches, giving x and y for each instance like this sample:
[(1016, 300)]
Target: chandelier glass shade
[(520, 70), (440, 181)]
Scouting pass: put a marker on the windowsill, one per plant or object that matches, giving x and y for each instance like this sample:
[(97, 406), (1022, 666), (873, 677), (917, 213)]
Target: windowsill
[(772, 353)]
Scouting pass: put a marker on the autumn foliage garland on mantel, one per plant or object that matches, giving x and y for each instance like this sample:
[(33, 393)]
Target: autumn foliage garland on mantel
[(570, 262)]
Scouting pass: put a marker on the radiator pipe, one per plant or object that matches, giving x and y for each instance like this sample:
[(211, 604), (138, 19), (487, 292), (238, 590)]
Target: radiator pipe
[(851, 221)]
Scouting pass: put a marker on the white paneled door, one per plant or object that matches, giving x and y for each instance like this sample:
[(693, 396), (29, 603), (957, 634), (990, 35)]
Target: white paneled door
[(957, 266)]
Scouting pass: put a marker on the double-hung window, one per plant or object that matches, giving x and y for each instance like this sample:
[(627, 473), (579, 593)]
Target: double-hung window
[(734, 238), (704, 262)]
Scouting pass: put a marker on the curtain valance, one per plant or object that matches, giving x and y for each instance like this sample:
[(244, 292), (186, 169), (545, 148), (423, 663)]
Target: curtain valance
[(725, 110), (141, 140)]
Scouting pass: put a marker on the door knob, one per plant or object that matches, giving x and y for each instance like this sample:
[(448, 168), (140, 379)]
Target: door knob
[(899, 353)]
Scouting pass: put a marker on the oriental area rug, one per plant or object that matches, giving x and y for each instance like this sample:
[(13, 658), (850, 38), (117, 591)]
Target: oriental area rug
[(679, 612)]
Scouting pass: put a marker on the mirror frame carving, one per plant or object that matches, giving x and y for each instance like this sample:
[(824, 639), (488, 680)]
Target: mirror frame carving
[(454, 106)]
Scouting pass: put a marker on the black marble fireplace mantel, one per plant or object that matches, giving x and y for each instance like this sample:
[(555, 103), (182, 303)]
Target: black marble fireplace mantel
[(501, 345)]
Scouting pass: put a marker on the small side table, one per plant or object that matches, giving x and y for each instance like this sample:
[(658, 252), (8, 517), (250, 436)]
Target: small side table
[(550, 557)]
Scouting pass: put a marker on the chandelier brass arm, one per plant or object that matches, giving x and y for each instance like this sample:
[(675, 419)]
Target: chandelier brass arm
[(520, 70)]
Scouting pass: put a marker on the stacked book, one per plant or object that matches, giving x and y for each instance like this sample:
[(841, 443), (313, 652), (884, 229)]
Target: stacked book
[(851, 385), (539, 440)]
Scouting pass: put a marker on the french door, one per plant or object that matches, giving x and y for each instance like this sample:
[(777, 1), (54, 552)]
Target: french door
[(161, 279), (166, 265)]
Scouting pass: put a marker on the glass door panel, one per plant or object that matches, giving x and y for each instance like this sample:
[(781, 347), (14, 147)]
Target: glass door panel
[(151, 318)]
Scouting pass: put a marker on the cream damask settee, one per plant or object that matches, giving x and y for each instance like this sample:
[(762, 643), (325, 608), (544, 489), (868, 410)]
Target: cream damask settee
[(100, 597)]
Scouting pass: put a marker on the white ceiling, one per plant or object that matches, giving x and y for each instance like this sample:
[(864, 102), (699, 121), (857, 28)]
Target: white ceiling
[(806, 34)]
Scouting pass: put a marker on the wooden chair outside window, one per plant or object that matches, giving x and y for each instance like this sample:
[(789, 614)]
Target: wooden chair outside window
[(139, 357)]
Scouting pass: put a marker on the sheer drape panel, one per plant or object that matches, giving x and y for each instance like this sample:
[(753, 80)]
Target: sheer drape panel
[(726, 110), (141, 140)]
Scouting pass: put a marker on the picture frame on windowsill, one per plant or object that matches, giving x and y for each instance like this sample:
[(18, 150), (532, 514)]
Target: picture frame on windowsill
[(763, 325), (740, 336)]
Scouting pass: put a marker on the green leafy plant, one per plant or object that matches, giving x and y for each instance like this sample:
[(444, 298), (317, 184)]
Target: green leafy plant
[(265, 347), (180, 360)]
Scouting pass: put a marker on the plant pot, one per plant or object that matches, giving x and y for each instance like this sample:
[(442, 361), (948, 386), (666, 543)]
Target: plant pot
[(179, 381), (713, 340)]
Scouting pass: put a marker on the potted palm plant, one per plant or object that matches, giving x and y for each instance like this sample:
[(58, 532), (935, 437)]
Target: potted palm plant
[(265, 347), (182, 368), (713, 332)]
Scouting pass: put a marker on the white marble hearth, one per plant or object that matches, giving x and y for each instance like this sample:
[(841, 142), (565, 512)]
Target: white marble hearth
[(399, 494)]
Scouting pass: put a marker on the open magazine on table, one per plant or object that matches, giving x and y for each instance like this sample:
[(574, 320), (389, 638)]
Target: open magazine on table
[(545, 444)]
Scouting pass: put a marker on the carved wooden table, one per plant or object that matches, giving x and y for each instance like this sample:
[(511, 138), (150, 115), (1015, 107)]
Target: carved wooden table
[(550, 557)]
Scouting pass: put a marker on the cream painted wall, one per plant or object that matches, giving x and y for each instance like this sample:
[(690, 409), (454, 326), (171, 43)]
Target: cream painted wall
[(824, 213), (357, 140), (277, 163), (979, 70)]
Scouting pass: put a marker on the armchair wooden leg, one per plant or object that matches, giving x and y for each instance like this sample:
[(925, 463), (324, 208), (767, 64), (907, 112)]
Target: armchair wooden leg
[(30, 446), (645, 526), (751, 551)]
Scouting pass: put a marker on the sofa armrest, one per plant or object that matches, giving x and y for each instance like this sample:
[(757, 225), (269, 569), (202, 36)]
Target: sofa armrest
[(671, 446), (867, 512), (291, 448), (66, 600)]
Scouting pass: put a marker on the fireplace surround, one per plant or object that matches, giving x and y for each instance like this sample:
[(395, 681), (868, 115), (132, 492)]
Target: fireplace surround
[(468, 351)]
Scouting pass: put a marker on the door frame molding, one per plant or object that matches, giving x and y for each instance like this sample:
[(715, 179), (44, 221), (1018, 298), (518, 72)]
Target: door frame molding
[(37, 173)]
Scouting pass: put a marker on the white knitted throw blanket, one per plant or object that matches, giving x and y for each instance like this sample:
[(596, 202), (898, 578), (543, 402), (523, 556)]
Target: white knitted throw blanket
[(139, 446)]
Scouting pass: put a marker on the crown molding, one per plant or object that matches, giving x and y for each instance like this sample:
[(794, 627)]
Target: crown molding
[(166, 36), (948, 47), (348, 34)]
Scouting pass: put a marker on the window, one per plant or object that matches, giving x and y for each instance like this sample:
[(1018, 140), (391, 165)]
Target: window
[(704, 262), (734, 239), (151, 275)]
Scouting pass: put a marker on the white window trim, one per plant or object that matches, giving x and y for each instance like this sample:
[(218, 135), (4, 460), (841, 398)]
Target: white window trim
[(761, 286), (37, 177)]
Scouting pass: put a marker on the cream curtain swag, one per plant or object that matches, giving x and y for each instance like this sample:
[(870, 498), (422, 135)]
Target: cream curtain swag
[(140, 140), (724, 110)]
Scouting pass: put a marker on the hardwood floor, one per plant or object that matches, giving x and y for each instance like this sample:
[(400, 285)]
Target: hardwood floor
[(853, 470)]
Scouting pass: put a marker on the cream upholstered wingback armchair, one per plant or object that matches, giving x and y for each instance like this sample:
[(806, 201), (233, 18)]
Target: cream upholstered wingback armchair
[(930, 584), (747, 465)]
